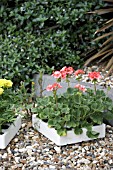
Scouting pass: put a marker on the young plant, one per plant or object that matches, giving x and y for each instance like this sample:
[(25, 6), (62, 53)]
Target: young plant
[(77, 108), (8, 102)]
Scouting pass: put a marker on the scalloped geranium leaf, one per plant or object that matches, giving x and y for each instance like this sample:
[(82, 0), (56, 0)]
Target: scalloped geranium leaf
[(92, 134), (62, 132), (78, 131)]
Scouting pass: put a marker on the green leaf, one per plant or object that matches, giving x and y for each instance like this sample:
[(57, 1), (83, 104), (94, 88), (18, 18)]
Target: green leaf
[(57, 113), (50, 122), (97, 118), (100, 93), (65, 110), (78, 130), (108, 115), (62, 132), (70, 90), (86, 125), (92, 134), (77, 98), (43, 115), (67, 117), (72, 124)]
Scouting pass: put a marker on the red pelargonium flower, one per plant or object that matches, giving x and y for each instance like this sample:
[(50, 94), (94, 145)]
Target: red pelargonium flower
[(55, 86), (49, 88), (76, 73), (81, 87), (56, 74), (63, 74), (94, 75), (64, 69), (70, 70)]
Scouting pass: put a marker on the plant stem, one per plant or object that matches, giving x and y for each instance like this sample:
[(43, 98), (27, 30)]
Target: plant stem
[(40, 82), (55, 97), (95, 88), (108, 88), (68, 84)]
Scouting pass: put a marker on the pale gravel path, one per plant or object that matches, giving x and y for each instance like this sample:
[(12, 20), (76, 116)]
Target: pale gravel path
[(31, 151)]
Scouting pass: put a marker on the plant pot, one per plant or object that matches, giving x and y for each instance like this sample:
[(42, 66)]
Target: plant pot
[(9, 133), (70, 138)]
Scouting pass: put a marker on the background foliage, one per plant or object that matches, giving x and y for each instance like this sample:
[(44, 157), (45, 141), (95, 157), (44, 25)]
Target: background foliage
[(105, 52), (42, 34)]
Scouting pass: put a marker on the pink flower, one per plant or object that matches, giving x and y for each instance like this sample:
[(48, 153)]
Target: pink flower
[(63, 75), (49, 88), (66, 70), (55, 86), (63, 69), (76, 73), (94, 75), (56, 74), (70, 70), (81, 87), (63, 72)]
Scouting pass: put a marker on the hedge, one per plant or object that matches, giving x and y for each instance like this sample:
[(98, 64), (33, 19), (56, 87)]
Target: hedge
[(45, 35)]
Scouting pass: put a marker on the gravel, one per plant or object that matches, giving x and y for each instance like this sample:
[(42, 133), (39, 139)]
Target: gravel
[(38, 153), (30, 150)]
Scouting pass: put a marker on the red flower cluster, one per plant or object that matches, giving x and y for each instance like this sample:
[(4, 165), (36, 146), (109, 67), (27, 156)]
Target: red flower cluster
[(56, 74), (76, 73), (63, 72), (81, 87), (94, 75), (55, 86)]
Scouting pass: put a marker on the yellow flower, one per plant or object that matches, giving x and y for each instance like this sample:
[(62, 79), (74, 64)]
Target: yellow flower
[(1, 90), (2, 82), (33, 83), (8, 83)]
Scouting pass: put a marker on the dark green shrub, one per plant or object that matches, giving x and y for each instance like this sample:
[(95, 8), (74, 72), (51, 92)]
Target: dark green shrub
[(42, 34)]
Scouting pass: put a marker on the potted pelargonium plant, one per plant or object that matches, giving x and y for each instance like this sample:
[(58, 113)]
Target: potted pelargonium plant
[(76, 115), (10, 121)]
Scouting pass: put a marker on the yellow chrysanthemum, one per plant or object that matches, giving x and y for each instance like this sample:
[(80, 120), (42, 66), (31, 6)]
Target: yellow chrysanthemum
[(2, 82), (1, 90), (8, 83)]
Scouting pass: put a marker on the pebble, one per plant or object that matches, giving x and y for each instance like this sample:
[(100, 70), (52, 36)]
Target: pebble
[(83, 161), (110, 161), (9, 150), (23, 125), (52, 167), (29, 152), (57, 149), (17, 159), (4, 155), (16, 140), (22, 150), (19, 165)]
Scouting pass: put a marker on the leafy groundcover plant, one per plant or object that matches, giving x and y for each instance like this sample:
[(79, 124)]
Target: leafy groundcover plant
[(7, 103), (77, 108)]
